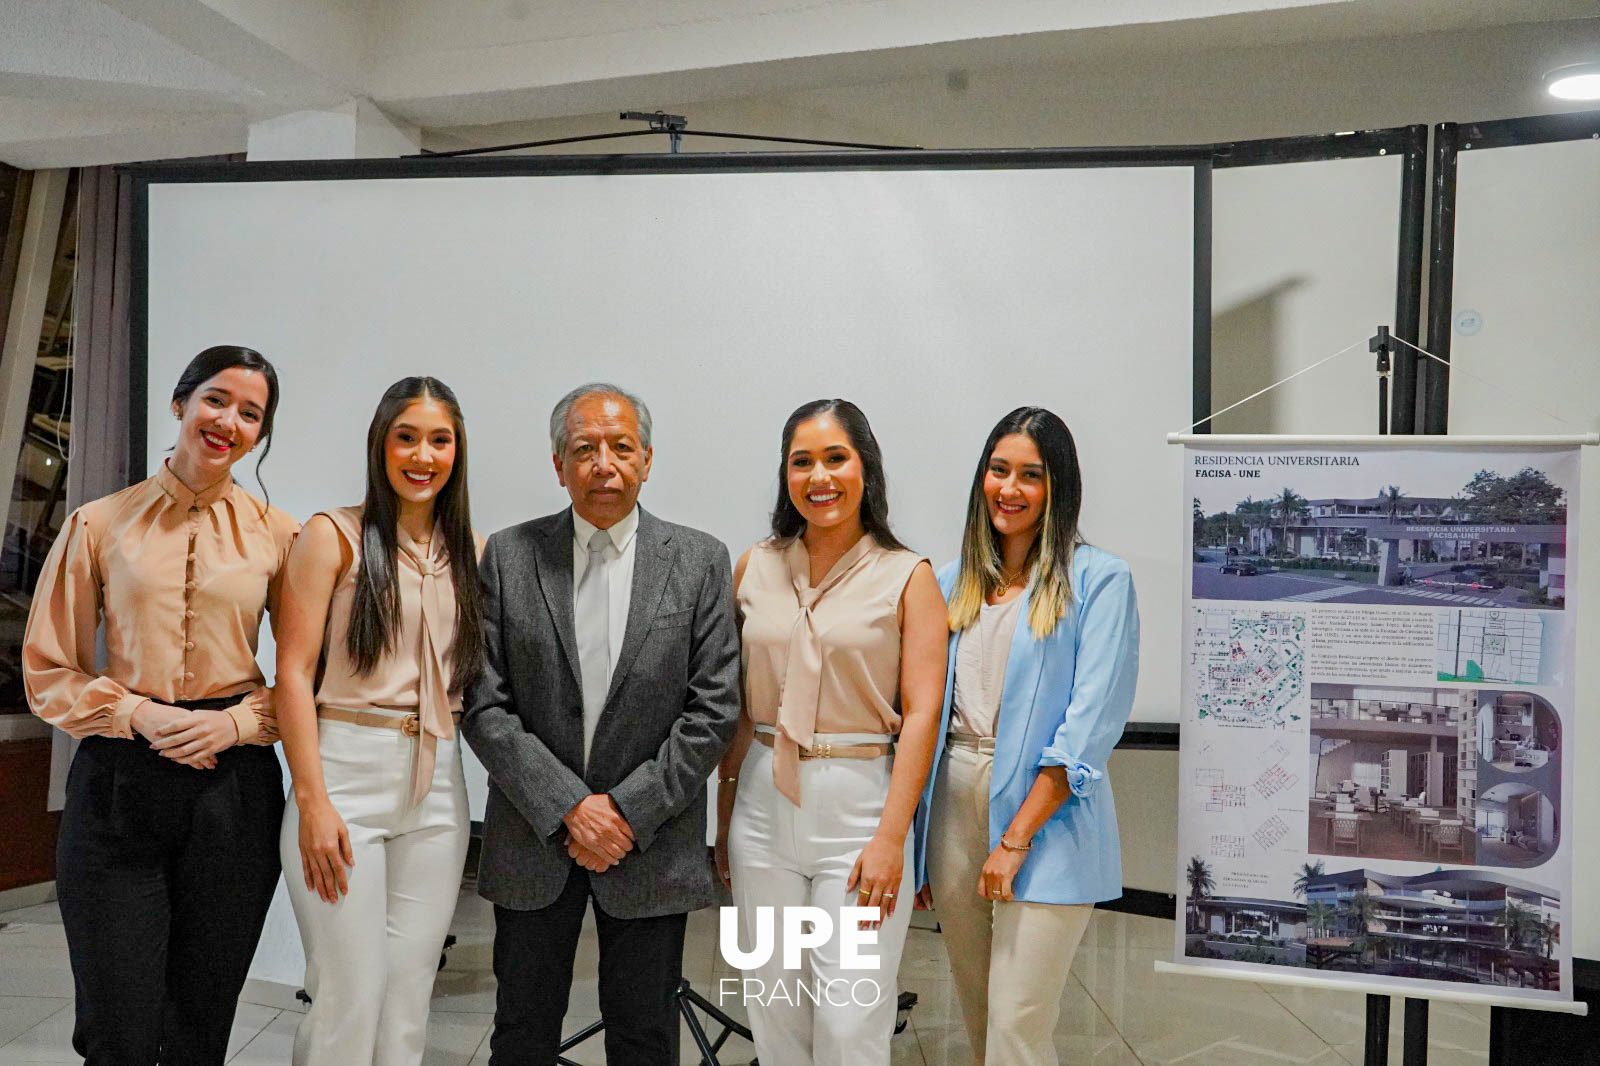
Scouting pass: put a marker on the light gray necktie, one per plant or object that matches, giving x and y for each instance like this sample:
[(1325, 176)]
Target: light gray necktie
[(591, 611)]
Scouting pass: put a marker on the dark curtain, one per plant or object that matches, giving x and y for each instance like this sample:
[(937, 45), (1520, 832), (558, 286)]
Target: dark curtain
[(14, 186), (101, 383)]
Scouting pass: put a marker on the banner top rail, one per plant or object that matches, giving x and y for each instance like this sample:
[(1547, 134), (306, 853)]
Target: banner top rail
[(1554, 440)]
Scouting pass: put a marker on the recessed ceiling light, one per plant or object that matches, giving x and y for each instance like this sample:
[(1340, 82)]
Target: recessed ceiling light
[(1579, 81)]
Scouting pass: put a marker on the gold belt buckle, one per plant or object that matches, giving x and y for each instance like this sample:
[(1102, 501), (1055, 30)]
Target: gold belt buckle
[(822, 751), (411, 725)]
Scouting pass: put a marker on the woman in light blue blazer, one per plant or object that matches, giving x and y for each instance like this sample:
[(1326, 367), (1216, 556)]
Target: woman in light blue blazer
[(1017, 831)]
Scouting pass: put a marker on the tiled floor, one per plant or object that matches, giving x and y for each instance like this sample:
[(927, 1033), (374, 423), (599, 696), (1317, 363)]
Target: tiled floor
[(1117, 1011)]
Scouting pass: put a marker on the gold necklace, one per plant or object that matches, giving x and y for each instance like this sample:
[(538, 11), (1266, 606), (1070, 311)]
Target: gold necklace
[(1006, 582)]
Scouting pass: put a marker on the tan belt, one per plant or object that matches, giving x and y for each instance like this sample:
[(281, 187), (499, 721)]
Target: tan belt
[(972, 742), (836, 751), (408, 724)]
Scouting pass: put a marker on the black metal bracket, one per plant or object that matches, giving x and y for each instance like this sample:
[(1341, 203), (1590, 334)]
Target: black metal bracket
[(673, 127), (1382, 343), (659, 120)]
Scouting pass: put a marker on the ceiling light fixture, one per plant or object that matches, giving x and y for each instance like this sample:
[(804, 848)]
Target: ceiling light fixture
[(1579, 81)]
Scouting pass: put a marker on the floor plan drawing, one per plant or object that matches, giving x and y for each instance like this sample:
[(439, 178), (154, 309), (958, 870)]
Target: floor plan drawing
[(1248, 667), (1269, 832), (1274, 780), (1225, 797), (1226, 846)]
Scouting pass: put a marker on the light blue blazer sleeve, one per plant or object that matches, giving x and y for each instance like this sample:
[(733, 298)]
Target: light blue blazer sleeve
[(1065, 703), (1105, 672)]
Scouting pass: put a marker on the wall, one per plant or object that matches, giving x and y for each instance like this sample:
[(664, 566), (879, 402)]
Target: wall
[(1146, 788)]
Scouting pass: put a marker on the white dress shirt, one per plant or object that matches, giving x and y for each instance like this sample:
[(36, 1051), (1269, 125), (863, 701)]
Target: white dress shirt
[(620, 587)]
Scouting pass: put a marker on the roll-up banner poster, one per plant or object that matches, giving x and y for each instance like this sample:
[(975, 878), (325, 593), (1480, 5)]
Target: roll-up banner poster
[(1377, 690)]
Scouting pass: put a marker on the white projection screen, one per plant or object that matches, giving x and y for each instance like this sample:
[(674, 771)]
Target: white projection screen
[(936, 298), (1524, 334)]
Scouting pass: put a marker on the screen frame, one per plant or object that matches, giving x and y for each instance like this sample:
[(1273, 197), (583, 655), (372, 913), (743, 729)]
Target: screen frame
[(1200, 158)]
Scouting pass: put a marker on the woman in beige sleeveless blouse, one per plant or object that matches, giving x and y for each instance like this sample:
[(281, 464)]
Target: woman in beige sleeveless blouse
[(382, 622), (843, 642)]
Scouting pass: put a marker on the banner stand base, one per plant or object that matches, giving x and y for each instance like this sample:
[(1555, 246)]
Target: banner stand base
[(1377, 1031), (1416, 1035)]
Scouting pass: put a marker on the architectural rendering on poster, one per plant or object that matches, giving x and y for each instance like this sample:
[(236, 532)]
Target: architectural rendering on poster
[(1265, 532), (1450, 925)]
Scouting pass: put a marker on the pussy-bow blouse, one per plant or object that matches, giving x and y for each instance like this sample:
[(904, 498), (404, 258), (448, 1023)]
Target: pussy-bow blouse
[(180, 579)]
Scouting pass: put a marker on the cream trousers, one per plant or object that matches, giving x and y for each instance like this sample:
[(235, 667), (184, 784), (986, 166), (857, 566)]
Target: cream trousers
[(782, 856), (1009, 961), (371, 957)]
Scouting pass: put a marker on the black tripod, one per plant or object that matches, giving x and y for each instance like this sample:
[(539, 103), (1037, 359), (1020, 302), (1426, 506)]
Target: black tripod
[(689, 1000)]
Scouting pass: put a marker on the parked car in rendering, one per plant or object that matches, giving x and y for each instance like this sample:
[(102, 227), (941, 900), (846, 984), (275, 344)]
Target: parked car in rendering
[(1466, 577), (1241, 567)]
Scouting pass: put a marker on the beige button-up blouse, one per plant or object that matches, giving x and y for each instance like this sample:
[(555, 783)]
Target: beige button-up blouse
[(824, 658), (180, 579), (416, 675)]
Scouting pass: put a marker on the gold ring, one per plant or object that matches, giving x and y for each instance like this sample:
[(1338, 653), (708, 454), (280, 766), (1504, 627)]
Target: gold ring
[(888, 895)]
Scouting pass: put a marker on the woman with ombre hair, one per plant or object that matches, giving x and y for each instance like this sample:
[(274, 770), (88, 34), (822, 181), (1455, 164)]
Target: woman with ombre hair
[(843, 635), (1017, 831), (382, 629), (167, 855)]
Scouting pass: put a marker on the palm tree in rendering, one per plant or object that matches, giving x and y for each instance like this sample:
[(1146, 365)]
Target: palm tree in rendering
[(1289, 506), (1549, 933), (1391, 497), (1358, 911), (1521, 925), (1319, 916), (1253, 515), (1200, 885), (1309, 872)]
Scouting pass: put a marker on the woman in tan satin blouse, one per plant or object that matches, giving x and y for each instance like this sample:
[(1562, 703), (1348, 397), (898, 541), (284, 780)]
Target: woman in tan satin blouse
[(166, 857), (382, 629), (843, 640)]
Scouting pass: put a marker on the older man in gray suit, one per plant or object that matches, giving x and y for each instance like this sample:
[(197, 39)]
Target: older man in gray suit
[(610, 693)]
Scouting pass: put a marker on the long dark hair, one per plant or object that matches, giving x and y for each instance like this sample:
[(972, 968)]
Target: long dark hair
[(1050, 558), (213, 361), (786, 520), (375, 616)]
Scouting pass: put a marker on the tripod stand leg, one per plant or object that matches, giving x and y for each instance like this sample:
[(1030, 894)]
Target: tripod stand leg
[(575, 1039), (688, 1001), (708, 1054), (686, 991)]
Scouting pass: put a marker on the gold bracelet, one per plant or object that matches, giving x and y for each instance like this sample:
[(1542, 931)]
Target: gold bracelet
[(727, 780), (1004, 843)]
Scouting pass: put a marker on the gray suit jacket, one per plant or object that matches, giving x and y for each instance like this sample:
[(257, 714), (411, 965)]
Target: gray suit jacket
[(668, 717)]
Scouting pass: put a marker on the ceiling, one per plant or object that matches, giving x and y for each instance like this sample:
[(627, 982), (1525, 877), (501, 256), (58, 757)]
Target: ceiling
[(98, 81)]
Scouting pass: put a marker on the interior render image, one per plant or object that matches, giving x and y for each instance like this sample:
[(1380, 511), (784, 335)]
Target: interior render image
[(1393, 772)]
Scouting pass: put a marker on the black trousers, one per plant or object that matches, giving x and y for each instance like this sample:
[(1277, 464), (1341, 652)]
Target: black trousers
[(164, 874), (641, 963)]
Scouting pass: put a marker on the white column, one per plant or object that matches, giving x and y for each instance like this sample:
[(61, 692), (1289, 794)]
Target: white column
[(356, 129)]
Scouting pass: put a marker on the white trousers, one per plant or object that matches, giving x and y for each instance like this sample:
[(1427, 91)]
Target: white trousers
[(1008, 961), (782, 856), (372, 956)]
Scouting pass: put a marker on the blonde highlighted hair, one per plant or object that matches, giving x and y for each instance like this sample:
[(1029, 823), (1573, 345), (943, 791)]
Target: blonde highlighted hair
[(1049, 563)]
